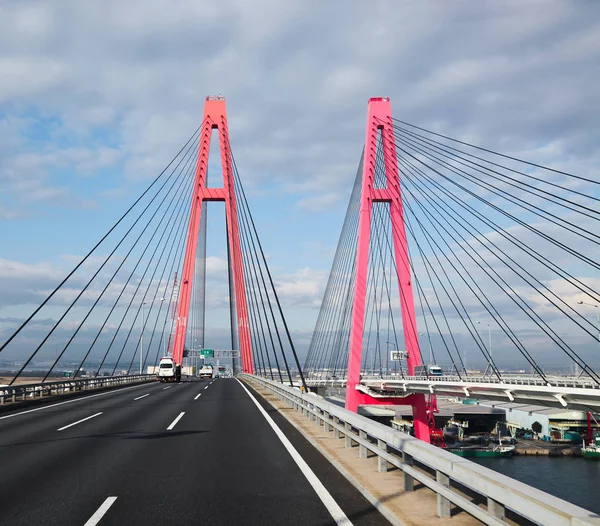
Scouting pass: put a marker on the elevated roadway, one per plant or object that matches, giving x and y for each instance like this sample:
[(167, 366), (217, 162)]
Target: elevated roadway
[(559, 391)]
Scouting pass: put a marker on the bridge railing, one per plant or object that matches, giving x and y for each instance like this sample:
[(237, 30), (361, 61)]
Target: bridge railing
[(441, 471), (31, 391)]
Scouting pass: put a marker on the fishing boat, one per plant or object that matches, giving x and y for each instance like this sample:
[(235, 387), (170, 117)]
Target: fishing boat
[(592, 450)]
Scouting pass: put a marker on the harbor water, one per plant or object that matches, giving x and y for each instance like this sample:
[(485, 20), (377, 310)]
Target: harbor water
[(575, 480)]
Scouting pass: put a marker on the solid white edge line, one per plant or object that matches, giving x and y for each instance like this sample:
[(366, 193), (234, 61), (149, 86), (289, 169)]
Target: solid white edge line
[(71, 401), (174, 423), (332, 506), (79, 421), (197, 396), (101, 511), (143, 396)]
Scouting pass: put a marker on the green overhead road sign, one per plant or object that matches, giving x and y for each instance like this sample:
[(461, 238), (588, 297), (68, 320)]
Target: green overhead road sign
[(207, 353)]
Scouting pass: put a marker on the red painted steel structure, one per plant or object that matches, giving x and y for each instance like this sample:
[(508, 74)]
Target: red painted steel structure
[(379, 121), (215, 117)]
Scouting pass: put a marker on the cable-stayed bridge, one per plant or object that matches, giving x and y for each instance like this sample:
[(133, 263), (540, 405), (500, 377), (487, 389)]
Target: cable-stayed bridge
[(449, 255)]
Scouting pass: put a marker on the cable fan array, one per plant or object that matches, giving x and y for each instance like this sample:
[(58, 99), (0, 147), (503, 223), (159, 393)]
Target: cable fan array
[(494, 241), (274, 353), (115, 312)]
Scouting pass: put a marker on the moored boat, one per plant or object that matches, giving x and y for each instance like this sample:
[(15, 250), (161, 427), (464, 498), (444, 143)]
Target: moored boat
[(487, 452), (498, 451), (592, 451)]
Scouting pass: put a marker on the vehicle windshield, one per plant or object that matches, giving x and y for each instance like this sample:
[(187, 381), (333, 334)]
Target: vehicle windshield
[(166, 366)]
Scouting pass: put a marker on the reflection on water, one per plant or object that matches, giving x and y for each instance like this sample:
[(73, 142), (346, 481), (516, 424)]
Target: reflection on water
[(572, 479)]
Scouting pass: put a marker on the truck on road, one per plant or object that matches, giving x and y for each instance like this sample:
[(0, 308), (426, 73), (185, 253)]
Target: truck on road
[(206, 371), (428, 370), (168, 370)]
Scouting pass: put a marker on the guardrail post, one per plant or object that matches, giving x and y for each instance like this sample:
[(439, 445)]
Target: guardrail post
[(362, 450), (326, 424), (336, 431), (408, 482), (443, 504), (496, 509), (381, 462), (317, 417), (347, 437)]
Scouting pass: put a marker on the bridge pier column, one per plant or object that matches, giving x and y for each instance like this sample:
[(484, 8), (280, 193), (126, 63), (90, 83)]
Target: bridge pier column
[(380, 141), (443, 504)]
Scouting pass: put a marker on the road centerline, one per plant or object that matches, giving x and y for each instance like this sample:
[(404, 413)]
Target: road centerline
[(143, 396), (174, 423), (79, 421), (168, 387), (101, 511), (206, 386), (197, 396)]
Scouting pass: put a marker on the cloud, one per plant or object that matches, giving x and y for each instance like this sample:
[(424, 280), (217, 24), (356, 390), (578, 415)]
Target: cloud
[(302, 288), (97, 96), (318, 202)]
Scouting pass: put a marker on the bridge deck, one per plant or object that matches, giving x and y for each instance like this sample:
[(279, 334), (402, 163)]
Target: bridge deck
[(221, 463)]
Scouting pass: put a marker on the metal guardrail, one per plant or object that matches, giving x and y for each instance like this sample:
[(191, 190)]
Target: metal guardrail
[(439, 470), (14, 393)]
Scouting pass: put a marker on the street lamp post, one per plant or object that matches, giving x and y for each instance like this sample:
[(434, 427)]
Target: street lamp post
[(489, 342), (597, 307), (430, 349), (142, 330)]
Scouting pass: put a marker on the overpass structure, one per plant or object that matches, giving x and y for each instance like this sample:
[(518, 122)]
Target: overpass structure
[(439, 236), (561, 391)]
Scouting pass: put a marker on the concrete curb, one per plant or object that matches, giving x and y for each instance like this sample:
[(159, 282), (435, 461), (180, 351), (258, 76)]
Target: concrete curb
[(376, 503)]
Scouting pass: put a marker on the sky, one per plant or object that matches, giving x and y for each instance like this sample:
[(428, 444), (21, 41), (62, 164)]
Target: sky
[(96, 97)]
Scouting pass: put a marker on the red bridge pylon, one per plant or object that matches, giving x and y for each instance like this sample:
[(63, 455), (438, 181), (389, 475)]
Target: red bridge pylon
[(215, 117), (379, 120)]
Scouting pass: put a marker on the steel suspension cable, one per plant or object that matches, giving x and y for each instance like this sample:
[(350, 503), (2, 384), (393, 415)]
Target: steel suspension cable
[(499, 154), (538, 211), (85, 258), (110, 282), (451, 153), (106, 260), (535, 314)]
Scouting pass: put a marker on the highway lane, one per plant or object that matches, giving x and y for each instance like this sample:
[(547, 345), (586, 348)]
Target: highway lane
[(195, 452)]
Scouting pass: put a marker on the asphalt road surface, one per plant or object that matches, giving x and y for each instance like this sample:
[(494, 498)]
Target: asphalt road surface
[(198, 452)]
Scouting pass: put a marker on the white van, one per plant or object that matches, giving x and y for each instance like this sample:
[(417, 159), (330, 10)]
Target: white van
[(168, 370)]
